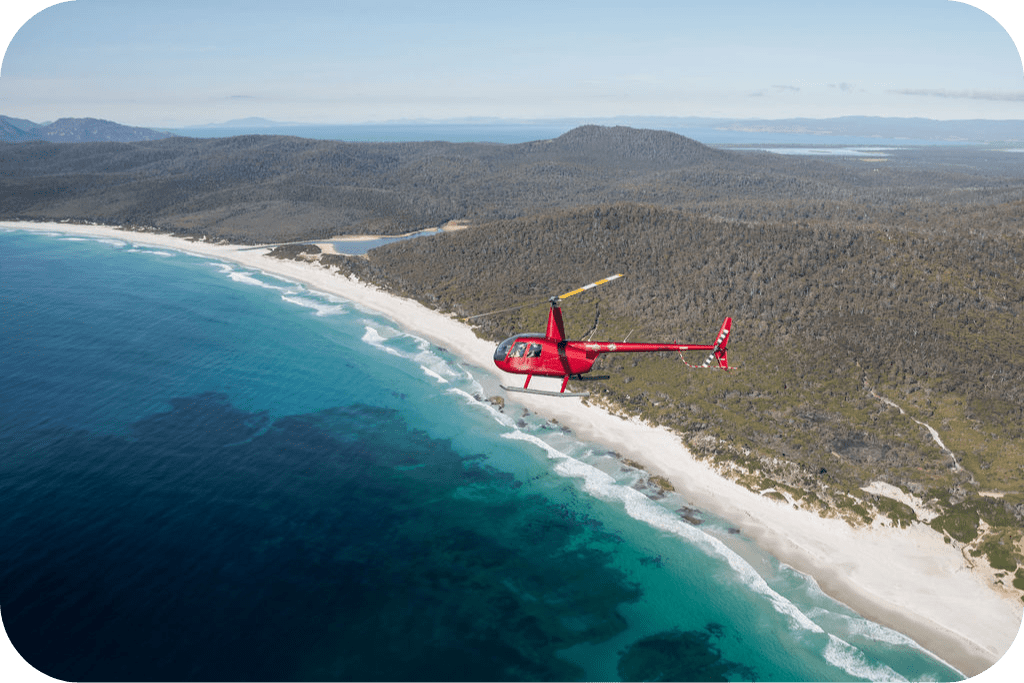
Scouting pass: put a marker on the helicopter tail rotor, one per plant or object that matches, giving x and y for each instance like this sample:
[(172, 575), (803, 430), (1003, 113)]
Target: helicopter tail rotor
[(721, 341), (719, 351)]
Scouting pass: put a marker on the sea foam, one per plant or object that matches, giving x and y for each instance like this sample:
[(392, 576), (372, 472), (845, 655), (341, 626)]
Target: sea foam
[(602, 485), (842, 655), (321, 308), (390, 341)]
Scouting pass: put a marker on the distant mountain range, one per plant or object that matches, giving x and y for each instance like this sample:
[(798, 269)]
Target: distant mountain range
[(74, 130), (964, 130), (839, 130), (275, 188), (846, 130)]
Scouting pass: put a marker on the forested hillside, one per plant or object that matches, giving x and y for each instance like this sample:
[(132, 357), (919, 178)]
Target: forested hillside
[(849, 281), (274, 189), (830, 317)]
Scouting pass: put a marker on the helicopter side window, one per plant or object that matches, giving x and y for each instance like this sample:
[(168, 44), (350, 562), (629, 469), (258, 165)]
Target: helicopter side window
[(534, 351), (518, 350)]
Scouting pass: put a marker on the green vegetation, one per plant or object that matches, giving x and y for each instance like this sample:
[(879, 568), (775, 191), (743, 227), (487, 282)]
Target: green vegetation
[(293, 251), (662, 483), (848, 283), (998, 549), (901, 514), (830, 317), (961, 524)]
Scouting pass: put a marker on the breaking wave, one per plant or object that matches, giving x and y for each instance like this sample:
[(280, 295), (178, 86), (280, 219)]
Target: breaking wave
[(416, 349), (602, 485)]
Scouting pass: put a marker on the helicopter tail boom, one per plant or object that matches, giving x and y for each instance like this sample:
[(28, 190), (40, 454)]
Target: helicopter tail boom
[(718, 349)]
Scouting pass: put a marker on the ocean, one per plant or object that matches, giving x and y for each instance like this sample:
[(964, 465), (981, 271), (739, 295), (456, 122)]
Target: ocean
[(209, 473)]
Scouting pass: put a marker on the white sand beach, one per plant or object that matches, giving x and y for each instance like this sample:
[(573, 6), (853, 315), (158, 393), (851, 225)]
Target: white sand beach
[(907, 579)]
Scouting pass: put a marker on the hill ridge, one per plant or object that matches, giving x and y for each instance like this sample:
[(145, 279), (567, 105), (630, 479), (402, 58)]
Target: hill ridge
[(637, 144), (75, 130), (260, 188)]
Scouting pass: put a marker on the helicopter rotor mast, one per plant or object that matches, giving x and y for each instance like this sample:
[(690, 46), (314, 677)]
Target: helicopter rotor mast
[(556, 329)]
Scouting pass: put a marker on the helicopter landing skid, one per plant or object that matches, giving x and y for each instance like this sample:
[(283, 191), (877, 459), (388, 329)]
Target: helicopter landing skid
[(541, 392)]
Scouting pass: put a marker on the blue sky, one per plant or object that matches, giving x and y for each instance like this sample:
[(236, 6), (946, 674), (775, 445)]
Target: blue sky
[(159, 63)]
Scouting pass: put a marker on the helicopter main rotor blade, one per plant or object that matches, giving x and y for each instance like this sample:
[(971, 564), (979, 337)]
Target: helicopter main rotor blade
[(590, 286), (553, 299)]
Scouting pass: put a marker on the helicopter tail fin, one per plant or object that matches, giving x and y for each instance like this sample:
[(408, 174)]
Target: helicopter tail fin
[(719, 350), (719, 353)]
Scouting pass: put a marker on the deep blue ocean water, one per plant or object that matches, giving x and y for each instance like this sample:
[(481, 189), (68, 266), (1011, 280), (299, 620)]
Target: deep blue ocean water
[(208, 473)]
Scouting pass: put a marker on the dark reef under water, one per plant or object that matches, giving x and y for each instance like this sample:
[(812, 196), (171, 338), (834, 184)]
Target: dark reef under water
[(213, 543)]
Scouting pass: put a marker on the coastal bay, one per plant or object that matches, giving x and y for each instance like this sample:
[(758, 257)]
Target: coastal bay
[(907, 579)]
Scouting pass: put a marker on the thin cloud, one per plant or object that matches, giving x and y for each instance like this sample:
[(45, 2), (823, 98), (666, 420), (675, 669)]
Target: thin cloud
[(775, 90), (964, 94)]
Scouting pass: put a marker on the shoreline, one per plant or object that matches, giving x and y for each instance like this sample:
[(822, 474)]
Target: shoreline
[(908, 580)]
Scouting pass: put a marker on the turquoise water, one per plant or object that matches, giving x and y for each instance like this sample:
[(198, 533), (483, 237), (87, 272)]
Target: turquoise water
[(208, 473)]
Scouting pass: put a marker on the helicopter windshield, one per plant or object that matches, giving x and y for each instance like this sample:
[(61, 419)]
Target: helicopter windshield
[(503, 347)]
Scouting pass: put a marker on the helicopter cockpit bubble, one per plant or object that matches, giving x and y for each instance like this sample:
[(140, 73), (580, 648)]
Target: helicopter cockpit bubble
[(503, 347)]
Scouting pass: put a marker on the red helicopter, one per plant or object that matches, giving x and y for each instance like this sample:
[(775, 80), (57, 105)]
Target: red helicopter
[(552, 355)]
